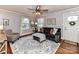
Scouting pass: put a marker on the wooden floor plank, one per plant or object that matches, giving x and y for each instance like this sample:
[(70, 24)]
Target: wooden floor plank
[(9, 51), (66, 48)]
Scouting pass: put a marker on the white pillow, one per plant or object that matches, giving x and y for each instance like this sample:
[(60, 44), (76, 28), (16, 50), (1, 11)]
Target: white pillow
[(55, 30), (40, 35), (38, 29)]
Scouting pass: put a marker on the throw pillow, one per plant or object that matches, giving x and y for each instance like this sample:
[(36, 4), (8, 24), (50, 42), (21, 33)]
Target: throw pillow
[(55, 31)]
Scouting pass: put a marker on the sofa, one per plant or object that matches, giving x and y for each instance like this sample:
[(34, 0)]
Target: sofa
[(53, 37)]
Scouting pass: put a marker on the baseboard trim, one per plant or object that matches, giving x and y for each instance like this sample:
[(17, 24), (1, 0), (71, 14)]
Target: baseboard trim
[(78, 44), (71, 42)]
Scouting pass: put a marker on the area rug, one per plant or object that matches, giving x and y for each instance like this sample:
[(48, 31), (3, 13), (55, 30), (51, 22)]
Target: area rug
[(27, 45)]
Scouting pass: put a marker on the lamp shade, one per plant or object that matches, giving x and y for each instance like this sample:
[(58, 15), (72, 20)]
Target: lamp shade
[(36, 23), (38, 13), (1, 27)]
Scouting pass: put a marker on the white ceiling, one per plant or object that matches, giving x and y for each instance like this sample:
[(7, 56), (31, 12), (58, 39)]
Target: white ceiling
[(24, 8)]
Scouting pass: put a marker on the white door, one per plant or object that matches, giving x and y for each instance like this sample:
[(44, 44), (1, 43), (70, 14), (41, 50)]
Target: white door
[(70, 32)]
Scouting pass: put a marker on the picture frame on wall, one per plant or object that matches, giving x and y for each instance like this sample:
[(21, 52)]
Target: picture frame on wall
[(51, 21), (5, 22)]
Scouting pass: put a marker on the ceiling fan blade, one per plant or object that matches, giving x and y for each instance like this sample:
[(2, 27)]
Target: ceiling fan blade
[(30, 9), (45, 10), (38, 10), (38, 7)]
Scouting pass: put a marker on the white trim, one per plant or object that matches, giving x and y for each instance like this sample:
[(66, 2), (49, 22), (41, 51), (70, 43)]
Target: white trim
[(56, 48)]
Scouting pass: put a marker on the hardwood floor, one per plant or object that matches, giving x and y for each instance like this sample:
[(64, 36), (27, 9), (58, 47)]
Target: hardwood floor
[(64, 48), (9, 51)]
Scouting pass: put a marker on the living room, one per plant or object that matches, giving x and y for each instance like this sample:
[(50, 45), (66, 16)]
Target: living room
[(19, 21)]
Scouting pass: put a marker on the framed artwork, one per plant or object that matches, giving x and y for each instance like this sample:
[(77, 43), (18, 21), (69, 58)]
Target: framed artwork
[(5, 22), (51, 21)]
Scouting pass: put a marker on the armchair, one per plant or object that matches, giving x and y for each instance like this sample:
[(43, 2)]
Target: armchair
[(11, 37)]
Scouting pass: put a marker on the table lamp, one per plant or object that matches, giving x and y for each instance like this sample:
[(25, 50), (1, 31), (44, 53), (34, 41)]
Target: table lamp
[(1, 28)]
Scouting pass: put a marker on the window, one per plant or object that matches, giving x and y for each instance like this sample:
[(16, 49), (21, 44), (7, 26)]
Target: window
[(72, 18), (25, 24), (40, 22)]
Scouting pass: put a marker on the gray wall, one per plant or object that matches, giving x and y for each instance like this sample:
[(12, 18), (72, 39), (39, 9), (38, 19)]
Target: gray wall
[(14, 20), (59, 19)]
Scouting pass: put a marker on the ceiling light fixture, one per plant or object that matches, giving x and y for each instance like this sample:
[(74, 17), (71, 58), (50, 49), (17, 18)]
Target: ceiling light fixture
[(37, 13)]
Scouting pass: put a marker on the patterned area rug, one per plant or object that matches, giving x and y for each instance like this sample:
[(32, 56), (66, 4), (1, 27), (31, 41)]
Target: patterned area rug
[(27, 45)]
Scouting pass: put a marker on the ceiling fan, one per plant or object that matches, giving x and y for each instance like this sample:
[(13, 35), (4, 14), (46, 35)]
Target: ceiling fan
[(38, 10)]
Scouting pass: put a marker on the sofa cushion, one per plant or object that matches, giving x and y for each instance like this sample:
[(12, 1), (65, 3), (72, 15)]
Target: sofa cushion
[(55, 31)]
